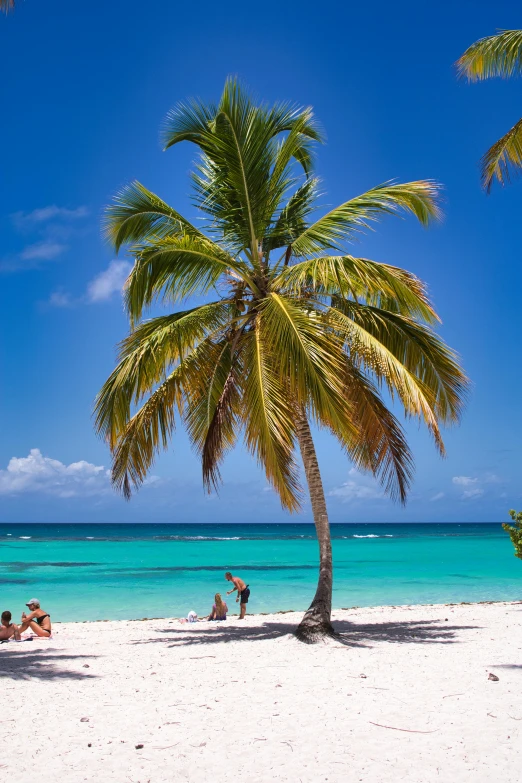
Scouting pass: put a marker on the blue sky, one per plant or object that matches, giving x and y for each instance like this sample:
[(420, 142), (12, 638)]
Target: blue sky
[(85, 88)]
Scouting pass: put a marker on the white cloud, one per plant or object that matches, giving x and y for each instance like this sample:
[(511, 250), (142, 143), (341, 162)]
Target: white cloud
[(464, 481), (45, 250), (108, 282), (470, 494), (44, 214), (492, 478), (362, 489), (39, 474), (36, 473), (60, 299), (436, 497)]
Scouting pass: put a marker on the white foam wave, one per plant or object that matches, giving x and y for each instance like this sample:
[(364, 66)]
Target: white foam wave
[(26, 537), (370, 535)]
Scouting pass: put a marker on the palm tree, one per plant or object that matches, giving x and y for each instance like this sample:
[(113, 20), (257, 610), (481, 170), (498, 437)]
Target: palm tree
[(296, 330), (497, 55)]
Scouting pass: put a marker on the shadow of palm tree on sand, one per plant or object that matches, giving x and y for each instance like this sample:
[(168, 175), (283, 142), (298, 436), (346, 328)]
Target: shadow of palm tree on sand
[(23, 664), (348, 634)]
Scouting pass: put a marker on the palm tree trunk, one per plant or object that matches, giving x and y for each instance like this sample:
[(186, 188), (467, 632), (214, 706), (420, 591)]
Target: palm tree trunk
[(316, 624)]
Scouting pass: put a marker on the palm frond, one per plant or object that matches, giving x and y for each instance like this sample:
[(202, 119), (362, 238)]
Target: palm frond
[(191, 121), (420, 375), (7, 5), (381, 285), (212, 416), (222, 428), (381, 446), (137, 215), (146, 357), (269, 419), (503, 159), (311, 358), (340, 224), (148, 431), (494, 55), (291, 221), (374, 336), (175, 268)]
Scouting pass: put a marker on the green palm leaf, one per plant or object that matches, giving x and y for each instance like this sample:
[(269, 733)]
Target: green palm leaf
[(137, 215), (495, 55), (343, 222), (269, 419), (175, 268), (381, 285), (380, 446), (503, 159)]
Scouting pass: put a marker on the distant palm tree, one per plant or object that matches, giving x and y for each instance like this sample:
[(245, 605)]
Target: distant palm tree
[(497, 55), (293, 334)]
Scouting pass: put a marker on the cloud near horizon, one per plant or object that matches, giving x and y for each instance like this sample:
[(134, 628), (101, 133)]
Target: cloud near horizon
[(362, 489), (37, 473)]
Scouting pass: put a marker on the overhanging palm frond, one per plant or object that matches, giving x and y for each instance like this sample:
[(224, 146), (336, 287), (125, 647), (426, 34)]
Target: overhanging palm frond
[(221, 433), (146, 356), (389, 345), (7, 5), (418, 382), (269, 419), (148, 431), (381, 445), (213, 415), (495, 55), (503, 159)]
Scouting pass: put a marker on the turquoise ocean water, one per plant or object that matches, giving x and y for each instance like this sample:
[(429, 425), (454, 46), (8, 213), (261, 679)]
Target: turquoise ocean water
[(93, 572)]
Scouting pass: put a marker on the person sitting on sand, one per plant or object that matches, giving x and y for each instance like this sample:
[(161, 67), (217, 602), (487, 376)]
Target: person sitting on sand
[(37, 620), (243, 592), (219, 610), (190, 618), (8, 629)]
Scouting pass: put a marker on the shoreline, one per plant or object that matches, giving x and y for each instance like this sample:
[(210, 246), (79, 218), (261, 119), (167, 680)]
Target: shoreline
[(412, 693), (290, 611)]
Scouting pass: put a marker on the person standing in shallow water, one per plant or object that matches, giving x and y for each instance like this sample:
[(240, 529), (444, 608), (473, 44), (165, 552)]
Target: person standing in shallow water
[(243, 592)]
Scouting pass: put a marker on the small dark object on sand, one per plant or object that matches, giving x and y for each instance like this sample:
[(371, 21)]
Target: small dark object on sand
[(138, 747), (84, 720), (86, 666), (493, 677)]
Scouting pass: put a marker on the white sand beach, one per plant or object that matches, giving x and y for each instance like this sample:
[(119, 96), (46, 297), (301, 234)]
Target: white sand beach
[(404, 695)]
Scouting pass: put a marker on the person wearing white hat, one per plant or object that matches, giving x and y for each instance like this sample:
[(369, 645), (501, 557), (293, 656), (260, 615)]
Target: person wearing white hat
[(37, 620)]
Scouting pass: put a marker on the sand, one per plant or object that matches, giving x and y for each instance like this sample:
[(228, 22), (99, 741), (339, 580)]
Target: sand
[(404, 695)]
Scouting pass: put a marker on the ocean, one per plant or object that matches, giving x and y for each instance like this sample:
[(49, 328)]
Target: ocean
[(132, 571)]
